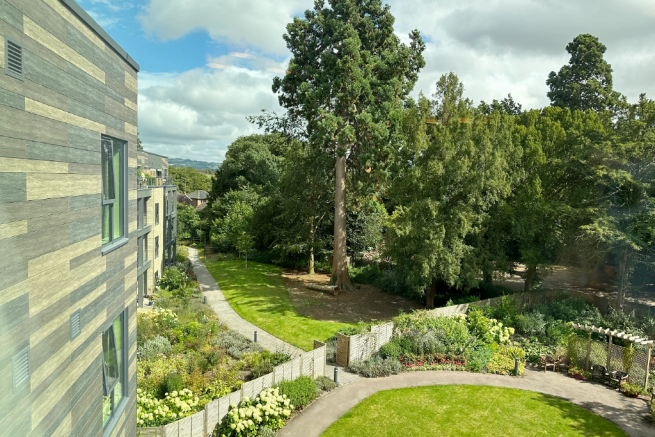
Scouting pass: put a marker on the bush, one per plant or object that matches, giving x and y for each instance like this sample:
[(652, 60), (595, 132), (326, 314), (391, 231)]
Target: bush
[(324, 383), (433, 362), (392, 349), (512, 352), (300, 391), (478, 359), (503, 365), (505, 312), (531, 323), (173, 278), (264, 362), (151, 411), (487, 330), (268, 410), (266, 432), (236, 344), (534, 350), (153, 347), (172, 382), (376, 367), (183, 251)]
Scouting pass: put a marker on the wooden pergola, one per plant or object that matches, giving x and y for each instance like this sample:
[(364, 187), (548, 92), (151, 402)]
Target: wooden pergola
[(644, 341)]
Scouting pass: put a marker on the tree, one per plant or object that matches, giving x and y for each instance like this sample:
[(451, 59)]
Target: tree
[(188, 222), (347, 79), (244, 244), (252, 160), (189, 179), (231, 218), (586, 82), (457, 166), (623, 221), (139, 146)]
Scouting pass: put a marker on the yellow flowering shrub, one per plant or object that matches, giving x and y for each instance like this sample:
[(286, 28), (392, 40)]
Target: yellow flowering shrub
[(151, 411), (269, 409)]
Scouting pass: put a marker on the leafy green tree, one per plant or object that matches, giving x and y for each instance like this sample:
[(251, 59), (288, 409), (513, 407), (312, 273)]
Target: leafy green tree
[(188, 222), (231, 218), (623, 221), (586, 82), (347, 79), (366, 220), (253, 160), (189, 179), (457, 166), (244, 244)]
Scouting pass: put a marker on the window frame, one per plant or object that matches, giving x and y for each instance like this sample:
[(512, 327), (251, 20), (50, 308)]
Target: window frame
[(115, 243), (156, 246), (156, 213), (117, 410)]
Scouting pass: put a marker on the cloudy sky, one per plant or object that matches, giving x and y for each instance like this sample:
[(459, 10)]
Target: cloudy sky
[(207, 64)]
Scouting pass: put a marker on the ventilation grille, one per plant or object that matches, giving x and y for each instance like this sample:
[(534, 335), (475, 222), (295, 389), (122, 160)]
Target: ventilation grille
[(76, 327), (14, 59), (21, 367)]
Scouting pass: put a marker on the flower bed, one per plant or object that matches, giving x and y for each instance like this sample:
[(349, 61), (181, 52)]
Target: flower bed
[(578, 373), (185, 358), (412, 362)]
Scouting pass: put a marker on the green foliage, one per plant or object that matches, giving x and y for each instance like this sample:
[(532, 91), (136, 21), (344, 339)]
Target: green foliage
[(171, 382), (503, 365), (324, 383), (530, 324), (151, 411), (188, 179), (586, 82), (189, 223), (232, 215), (512, 352), (376, 367), (393, 349), (236, 344), (485, 329), (429, 334), (153, 347), (300, 391), (632, 389), (264, 362), (478, 358)]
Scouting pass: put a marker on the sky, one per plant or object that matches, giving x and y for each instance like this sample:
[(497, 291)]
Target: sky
[(208, 64)]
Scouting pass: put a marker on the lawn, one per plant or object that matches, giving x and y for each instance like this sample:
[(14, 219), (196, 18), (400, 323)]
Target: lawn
[(463, 410), (258, 295)]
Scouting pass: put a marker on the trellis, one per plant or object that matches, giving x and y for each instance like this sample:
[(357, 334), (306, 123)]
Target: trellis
[(644, 341)]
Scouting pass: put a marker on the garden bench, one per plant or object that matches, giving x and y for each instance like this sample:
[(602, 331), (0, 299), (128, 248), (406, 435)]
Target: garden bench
[(547, 361), (617, 378), (600, 373), (563, 361)]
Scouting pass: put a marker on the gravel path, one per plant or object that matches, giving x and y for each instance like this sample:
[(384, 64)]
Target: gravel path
[(627, 413)]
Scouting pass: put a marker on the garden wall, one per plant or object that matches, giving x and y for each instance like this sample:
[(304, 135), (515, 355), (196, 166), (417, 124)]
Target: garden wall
[(360, 347), (202, 424)]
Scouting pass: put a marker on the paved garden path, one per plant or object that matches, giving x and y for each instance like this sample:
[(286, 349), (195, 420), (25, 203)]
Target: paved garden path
[(232, 320), (626, 412)]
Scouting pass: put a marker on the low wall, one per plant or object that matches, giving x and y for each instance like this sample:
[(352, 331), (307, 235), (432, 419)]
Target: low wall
[(202, 424)]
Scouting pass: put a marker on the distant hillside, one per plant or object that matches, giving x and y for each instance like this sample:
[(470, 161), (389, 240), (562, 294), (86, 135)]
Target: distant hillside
[(198, 165)]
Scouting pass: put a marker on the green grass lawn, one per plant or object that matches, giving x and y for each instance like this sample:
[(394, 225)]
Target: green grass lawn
[(461, 410), (258, 295)]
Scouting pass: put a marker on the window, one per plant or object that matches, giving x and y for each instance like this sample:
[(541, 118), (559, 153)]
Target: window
[(156, 247), (145, 248), (114, 365), (156, 213), (156, 278), (114, 190)]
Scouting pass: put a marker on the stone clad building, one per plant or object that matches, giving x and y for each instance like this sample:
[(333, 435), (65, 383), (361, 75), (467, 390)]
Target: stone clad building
[(68, 224)]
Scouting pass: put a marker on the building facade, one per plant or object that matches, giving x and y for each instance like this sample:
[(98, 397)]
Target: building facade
[(157, 236), (68, 224), (153, 168)]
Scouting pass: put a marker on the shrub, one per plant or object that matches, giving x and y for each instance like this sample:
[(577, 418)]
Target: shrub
[(632, 389), (447, 334), (183, 251), (266, 432), (579, 373), (268, 410), (392, 349), (236, 344), (505, 312), (503, 365), (534, 350), (487, 330), (150, 374), (478, 359), (300, 391), (173, 278), (172, 382), (151, 411), (512, 352), (324, 383), (154, 347), (264, 362), (531, 323), (558, 333), (376, 367)]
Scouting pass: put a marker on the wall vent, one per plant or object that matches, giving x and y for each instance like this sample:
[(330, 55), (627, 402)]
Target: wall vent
[(14, 58), (76, 326), (21, 367)]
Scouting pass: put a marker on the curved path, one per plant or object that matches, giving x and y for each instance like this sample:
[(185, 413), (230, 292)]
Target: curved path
[(627, 413)]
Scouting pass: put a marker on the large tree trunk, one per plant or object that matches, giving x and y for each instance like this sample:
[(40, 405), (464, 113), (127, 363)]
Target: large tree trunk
[(340, 276), (529, 277), (623, 279), (430, 293)]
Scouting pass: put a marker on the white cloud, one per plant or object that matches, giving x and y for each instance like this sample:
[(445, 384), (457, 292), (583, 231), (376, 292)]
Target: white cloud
[(197, 114), (103, 20), (257, 23)]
